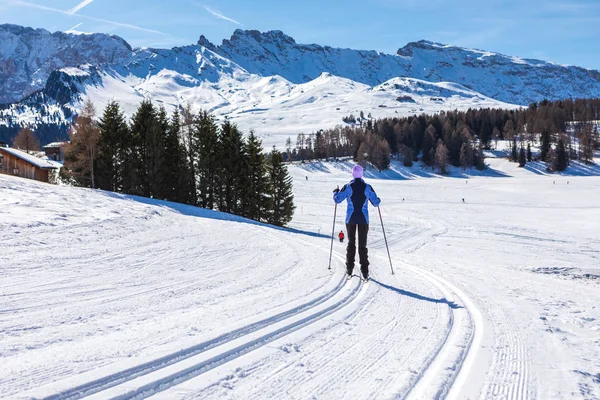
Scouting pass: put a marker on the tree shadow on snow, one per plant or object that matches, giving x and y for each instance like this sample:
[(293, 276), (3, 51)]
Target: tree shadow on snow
[(576, 168), (200, 212), (403, 292), (398, 171)]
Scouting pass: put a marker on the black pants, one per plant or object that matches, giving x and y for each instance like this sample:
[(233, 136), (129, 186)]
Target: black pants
[(363, 229)]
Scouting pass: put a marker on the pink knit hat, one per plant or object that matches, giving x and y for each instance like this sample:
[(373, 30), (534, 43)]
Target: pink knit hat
[(357, 172)]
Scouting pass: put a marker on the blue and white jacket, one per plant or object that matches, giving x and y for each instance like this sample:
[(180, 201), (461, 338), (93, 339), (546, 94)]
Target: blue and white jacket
[(358, 194)]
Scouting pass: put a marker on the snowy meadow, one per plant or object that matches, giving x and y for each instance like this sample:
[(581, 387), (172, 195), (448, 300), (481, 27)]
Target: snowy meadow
[(495, 293)]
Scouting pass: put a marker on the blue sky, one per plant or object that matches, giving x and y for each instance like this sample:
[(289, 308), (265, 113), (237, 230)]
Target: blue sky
[(561, 31)]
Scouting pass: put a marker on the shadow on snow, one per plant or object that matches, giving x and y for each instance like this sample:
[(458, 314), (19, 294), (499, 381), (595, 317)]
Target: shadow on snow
[(576, 168), (403, 292), (398, 171), (199, 212)]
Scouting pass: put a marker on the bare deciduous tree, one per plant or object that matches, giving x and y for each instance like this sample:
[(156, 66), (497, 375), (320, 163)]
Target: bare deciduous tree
[(82, 151), (26, 140)]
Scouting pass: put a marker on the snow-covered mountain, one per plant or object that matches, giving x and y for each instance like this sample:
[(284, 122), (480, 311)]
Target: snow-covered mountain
[(509, 79), (268, 82), (28, 56)]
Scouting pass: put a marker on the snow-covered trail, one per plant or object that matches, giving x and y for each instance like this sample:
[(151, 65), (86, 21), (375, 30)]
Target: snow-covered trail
[(144, 299), (132, 305)]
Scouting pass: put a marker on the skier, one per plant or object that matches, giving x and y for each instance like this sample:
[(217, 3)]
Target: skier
[(358, 194), (341, 236)]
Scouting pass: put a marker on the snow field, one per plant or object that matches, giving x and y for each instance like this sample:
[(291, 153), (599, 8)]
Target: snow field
[(494, 298)]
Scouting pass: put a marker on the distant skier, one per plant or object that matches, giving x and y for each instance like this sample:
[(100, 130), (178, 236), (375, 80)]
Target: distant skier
[(463, 200), (341, 236), (358, 194)]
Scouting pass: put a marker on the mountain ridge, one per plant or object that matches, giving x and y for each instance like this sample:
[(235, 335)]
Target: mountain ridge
[(263, 80)]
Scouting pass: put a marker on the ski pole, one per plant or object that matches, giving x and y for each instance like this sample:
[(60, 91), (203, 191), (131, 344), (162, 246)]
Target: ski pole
[(332, 234), (386, 243)]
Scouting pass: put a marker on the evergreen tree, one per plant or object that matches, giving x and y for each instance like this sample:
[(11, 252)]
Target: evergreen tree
[(485, 135), (513, 154), (529, 154), (257, 201), (142, 125), (561, 158), (522, 157), (479, 158), (232, 169), (113, 148), (545, 145), (176, 173), (208, 162), (280, 190), (429, 141), (155, 152), (188, 128)]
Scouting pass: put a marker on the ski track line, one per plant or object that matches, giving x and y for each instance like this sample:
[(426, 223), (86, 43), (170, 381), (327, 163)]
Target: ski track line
[(190, 368), (120, 377), (445, 361)]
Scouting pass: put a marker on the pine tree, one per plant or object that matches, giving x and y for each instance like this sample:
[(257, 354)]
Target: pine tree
[(561, 158), (112, 148), (155, 150), (280, 190), (485, 135), (522, 157), (256, 191), (529, 154), (176, 173), (545, 145), (231, 169), (514, 154), (479, 158), (429, 141), (142, 125), (188, 128), (208, 161)]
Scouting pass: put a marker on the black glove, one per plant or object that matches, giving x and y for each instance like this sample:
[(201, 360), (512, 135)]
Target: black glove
[(336, 190)]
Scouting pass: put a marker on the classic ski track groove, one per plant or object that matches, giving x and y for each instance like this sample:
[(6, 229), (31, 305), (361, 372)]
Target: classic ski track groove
[(129, 374), (196, 369), (452, 383)]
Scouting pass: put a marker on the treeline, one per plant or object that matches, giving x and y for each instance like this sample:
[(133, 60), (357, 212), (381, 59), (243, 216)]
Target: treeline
[(459, 137), (184, 158)]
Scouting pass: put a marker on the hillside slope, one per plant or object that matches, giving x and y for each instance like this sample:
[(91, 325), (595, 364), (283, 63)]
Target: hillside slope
[(149, 298)]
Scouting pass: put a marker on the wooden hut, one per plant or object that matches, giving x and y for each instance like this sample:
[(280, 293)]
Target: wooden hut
[(19, 163)]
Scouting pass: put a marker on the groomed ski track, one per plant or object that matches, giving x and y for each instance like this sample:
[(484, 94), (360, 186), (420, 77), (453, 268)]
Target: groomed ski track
[(442, 374), (268, 321)]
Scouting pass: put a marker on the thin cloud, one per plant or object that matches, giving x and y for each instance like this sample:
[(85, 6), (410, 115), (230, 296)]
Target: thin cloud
[(221, 16), (79, 6), (75, 27), (56, 10)]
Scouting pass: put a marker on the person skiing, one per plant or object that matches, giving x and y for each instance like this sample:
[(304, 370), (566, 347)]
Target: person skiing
[(341, 236), (358, 194)]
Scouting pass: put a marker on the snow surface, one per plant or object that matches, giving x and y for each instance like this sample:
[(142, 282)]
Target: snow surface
[(109, 295)]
